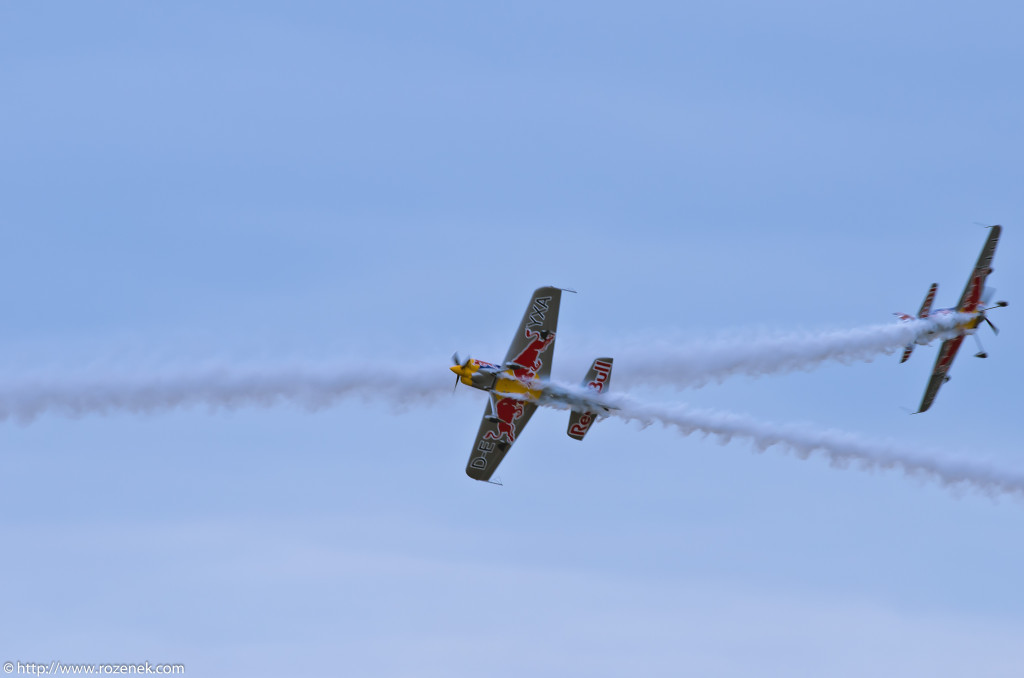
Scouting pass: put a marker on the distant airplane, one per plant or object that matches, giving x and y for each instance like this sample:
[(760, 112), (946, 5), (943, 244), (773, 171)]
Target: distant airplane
[(973, 301), (520, 383)]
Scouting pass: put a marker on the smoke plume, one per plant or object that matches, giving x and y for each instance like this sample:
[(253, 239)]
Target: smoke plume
[(842, 449), (317, 387), (310, 387), (694, 364)]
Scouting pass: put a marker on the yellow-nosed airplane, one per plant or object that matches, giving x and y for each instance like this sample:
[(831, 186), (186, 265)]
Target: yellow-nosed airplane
[(520, 383)]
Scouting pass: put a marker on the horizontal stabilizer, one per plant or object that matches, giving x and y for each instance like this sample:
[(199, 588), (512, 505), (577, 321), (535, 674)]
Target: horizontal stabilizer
[(599, 379), (926, 306)]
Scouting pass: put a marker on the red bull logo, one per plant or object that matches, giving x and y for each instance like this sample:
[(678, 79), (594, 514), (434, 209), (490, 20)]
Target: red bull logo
[(507, 411), (528, 360), (977, 283), (948, 351), (581, 427), (603, 371)]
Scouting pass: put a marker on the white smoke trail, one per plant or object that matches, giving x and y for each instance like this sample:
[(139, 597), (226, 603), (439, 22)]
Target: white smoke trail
[(697, 363), (320, 386), (841, 448), (311, 387)]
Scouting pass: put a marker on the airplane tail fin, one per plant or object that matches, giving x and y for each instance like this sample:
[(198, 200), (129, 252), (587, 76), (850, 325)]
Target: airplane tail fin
[(926, 308), (599, 379)]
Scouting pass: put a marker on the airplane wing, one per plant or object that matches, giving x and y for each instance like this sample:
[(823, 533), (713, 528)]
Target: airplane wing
[(946, 354), (528, 357), (976, 283), (534, 342), (503, 421)]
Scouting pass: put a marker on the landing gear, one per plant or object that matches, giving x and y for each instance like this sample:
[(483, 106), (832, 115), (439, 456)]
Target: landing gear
[(981, 350)]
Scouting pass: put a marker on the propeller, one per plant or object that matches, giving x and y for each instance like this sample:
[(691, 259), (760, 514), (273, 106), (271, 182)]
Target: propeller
[(455, 359), (986, 297), (458, 363)]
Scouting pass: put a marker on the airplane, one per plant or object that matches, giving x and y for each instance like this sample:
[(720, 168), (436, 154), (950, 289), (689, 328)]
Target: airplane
[(972, 302), (521, 382)]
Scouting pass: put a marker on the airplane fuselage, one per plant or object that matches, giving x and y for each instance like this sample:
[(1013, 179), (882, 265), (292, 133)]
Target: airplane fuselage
[(494, 379), (941, 314), (958, 329)]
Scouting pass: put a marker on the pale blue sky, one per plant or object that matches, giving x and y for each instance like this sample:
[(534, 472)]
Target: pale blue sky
[(257, 183)]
